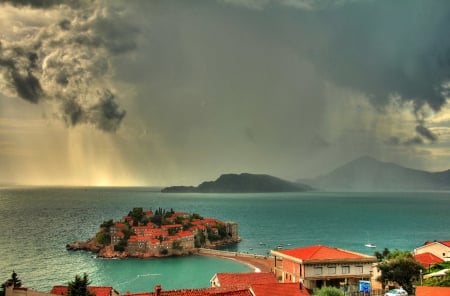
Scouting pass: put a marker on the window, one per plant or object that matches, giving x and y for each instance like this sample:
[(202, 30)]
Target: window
[(317, 270), (345, 269), (359, 269), (331, 269)]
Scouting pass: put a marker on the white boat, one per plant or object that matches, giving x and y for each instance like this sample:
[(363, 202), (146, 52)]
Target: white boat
[(370, 245)]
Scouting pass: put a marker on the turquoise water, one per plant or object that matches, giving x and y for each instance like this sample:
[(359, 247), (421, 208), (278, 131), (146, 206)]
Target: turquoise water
[(37, 223)]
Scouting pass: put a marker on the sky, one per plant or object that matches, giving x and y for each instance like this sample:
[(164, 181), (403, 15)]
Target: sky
[(176, 92)]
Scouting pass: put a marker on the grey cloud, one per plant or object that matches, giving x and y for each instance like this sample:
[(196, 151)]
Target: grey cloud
[(396, 141), (18, 65), (426, 133), (73, 112), (413, 141), (68, 61), (28, 86), (106, 114), (41, 3), (385, 49), (381, 48)]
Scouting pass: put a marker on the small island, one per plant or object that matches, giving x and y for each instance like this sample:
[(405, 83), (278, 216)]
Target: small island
[(241, 183), (158, 233)]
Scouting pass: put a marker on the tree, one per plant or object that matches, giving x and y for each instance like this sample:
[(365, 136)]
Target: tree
[(137, 214), (402, 270), (383, 255), (14, 281), (328, 291), (438, 281), (386, 254), (79, 286)]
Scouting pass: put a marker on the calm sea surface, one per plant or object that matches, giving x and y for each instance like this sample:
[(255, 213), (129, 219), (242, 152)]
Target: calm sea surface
[(37, 223)]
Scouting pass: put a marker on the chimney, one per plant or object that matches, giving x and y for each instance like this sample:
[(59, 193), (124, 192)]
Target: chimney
[(158, 290)]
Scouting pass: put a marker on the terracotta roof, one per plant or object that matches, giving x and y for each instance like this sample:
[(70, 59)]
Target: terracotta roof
[(427, 259), (59, 290), (446, 243), (432, 291), (172, 226), (244, 278), (321, 252), (99, 291), (279, 289), (218, 291)]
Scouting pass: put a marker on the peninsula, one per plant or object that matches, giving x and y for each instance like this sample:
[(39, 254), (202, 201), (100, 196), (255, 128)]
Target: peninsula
[(158, 233), (241, 183)]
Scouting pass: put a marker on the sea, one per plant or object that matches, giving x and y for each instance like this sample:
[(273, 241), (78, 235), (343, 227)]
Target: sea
[(37, 223)]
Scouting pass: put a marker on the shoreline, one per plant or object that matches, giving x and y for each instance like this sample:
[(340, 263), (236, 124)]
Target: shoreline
[(258, 263)]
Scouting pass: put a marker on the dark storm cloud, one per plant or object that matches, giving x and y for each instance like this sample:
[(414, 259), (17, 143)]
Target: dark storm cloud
[(28, 86), (426, 133), (396, 141), (106, 114), (18, 69), (40, 3), (67, 59), (383, 48)]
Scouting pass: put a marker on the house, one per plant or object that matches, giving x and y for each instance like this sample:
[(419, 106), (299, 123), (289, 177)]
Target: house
[(98, 291), (318, 265), (440, 249), (432, 291), (427, 259)]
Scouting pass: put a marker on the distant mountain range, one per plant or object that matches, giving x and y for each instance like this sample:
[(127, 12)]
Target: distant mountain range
[(241, 183), (369, 174), (362, 174)]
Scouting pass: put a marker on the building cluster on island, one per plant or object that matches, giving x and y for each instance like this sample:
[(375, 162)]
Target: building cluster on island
[(158, 233)]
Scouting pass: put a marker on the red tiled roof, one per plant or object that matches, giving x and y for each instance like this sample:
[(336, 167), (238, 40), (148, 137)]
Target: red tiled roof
[(427, 259), (59, 290), (321, 252), (218, 291), (279, 289), (99, 291), (432, 291), (119, 225), (172, 226), (245, 278), (446, 243)]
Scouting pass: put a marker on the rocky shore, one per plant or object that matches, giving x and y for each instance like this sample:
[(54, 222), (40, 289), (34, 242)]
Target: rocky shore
[(91, 246), (106, 251)]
